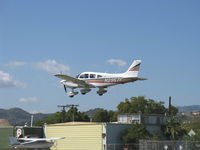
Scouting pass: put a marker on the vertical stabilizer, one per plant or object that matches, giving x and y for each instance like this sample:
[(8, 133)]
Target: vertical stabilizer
[(133, 70)]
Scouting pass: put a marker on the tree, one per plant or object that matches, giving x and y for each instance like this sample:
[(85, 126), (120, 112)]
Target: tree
[(195, 127), (174, 129), (124, 107), (56, 118), (174, 111), (140, 104), (70, 115), (74, 115), (112, 116), (103, 115), (134, 134), (158, 135), (192, 125)]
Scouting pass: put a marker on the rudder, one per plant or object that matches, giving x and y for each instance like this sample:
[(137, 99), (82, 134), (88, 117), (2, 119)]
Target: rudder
[(133, 70)]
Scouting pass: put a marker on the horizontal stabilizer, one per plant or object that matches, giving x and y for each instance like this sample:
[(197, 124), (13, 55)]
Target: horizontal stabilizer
[(13, 141), (142, 78)]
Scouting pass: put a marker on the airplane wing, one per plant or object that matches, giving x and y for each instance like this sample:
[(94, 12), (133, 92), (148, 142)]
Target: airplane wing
[(14, 142), (74, 80), (40, 139)]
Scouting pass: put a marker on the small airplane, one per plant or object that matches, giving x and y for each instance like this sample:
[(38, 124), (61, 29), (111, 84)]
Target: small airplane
[(36, 143), (88, 80)]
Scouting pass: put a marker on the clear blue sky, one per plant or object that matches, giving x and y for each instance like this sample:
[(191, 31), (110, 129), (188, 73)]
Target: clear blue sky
[(39, 38)]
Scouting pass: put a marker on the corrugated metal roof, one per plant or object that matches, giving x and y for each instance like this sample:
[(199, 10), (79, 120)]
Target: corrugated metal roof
[(75, 123), (84, 123)]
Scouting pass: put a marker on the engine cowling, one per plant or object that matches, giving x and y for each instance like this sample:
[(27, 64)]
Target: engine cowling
[(69, 84)]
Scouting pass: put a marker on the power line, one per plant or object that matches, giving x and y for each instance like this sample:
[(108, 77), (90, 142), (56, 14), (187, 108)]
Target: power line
[(71, 106), (63, 111)]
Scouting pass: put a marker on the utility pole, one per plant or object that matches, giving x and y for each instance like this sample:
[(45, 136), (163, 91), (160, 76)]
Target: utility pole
[(72, 106), (63, 111), (170, 106)]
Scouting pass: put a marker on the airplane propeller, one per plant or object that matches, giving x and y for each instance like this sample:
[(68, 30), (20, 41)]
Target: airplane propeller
[(65, 88)]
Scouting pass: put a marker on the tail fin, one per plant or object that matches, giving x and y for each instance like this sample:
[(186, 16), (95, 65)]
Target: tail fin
[(133, 70), (13, 141)]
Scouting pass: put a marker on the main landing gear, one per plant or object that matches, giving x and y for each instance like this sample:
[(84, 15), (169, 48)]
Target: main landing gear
[(101, 91), (72, 93)]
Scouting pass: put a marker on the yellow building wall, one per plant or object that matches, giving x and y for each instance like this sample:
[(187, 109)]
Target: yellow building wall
[(77, 136)]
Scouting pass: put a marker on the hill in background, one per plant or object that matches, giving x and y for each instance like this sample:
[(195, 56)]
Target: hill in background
[(91, 112), (191, 108), (17, 116)]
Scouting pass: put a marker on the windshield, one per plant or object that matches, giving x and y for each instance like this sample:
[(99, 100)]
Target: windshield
[(77, 75)]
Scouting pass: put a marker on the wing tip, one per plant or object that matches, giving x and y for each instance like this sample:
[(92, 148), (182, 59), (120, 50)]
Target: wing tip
[(58, 75)]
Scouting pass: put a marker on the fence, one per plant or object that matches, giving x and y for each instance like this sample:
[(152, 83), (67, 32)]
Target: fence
[(122, 147), (156, 145)]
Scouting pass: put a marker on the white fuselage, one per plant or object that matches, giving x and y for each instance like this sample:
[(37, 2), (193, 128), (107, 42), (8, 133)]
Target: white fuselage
[(99, 80)]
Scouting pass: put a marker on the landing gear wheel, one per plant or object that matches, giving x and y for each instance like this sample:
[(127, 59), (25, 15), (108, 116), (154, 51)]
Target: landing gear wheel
[(72, 94)]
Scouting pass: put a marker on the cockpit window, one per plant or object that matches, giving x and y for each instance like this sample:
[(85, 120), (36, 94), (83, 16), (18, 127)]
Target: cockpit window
[(84, 76), (92, 75), (77, 75)]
